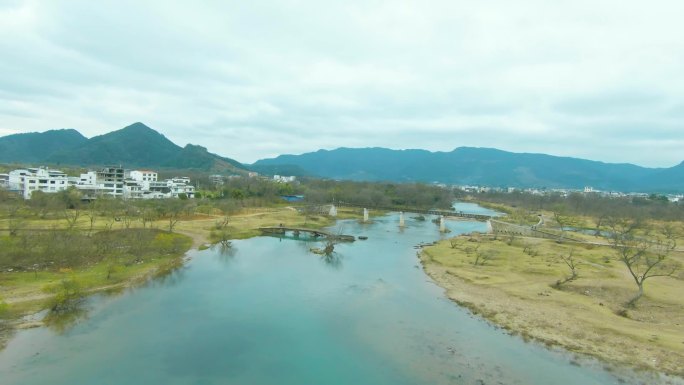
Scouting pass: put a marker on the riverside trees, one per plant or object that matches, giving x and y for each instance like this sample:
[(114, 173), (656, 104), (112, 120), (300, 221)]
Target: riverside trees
[(643, 251), (60, 231)]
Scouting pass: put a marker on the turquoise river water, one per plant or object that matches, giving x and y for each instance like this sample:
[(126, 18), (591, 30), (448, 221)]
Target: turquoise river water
[(269, 311)]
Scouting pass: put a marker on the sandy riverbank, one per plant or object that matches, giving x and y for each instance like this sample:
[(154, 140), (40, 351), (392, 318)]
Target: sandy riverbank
[(514, 291)]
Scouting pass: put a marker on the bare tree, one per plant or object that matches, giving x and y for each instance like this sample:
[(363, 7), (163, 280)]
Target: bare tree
[(174, 217), (643, 254), (71, 217), (15, 221), (147, 215), (560, 216), (511, 237), (482, 257), (572, 263), (221, 223), (457, 242), (599, 220)]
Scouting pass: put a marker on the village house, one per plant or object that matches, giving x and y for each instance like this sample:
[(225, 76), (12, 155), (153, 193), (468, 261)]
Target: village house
[(283, 178), (27, 181)]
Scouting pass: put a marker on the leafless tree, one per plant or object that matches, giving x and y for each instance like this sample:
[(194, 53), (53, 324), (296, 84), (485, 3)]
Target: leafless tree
[(482, 257), (572, 263), (560, 216), (644, 254), (71, 216)]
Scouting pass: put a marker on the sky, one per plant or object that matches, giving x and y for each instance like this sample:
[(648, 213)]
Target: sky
[(601, 80)]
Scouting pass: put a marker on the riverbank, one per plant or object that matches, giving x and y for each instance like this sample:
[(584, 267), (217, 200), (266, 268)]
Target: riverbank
[(25, 293), (516, 287)]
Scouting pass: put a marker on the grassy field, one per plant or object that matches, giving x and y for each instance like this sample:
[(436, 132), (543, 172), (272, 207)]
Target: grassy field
[(517, 289), (27, 292)]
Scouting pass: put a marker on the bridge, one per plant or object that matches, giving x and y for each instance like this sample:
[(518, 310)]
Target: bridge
[(445, 213), (314, 232)]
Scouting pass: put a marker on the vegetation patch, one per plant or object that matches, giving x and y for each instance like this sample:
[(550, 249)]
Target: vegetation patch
[(562, 293)]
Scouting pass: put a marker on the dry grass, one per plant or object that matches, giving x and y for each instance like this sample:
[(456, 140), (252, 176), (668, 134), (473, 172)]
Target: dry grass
[(515, 290), (24, 291)]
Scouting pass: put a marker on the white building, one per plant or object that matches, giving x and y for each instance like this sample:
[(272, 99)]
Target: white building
[(107, 181), (179, 186), (111, 180), (132, 189), (169, 188), (43, 179), (88, 179), (283, 178), (216, 180), (143, 175), (4, 180)]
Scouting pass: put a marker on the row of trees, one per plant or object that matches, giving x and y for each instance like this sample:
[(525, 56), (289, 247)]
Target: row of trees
[(256, 191), (53, 249), (651, 207), (640, 230), (372, 194)]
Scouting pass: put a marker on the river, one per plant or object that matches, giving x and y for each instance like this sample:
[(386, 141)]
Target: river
[(268, 311)]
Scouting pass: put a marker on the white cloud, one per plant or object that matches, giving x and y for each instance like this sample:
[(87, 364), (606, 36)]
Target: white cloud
[(255, 79)]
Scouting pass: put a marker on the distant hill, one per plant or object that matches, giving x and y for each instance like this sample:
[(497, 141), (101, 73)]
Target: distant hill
[(136, 145), (480, 166), (36, 147)]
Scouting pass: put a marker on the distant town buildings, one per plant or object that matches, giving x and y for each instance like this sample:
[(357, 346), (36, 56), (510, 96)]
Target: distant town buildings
[(562, 192), (112, 181), (283, 178)]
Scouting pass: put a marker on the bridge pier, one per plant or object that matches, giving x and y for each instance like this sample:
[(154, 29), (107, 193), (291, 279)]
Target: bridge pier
[(401, 219), (442, 225), (365, 214)]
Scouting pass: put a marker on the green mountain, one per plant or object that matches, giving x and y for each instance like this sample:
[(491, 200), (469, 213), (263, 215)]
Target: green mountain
[(133, 146), (198, 158), (36, 147), (138, 145), (480, 166)]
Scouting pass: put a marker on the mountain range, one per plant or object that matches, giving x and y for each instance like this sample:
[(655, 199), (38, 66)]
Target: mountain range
[(480, 166), (138, 145)]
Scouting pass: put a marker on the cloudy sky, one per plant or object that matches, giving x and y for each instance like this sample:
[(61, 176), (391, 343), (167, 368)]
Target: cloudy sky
[(602, 80)]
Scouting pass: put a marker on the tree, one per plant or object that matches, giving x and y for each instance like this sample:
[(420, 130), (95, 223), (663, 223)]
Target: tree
[(91, 213), (560, 216), (481, 257), (643, 254), (68, 295), (43, 203), (456, 242), (15, 221), (572, 264), (147, 215), (4, 309), (71, 217)]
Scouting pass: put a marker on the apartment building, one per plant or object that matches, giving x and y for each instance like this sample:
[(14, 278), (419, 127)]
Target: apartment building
[(27, 181)]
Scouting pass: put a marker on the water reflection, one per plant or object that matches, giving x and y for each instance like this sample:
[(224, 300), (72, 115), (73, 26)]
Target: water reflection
[(333, 260), (60, 321), (225, 251), (170, 274)]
